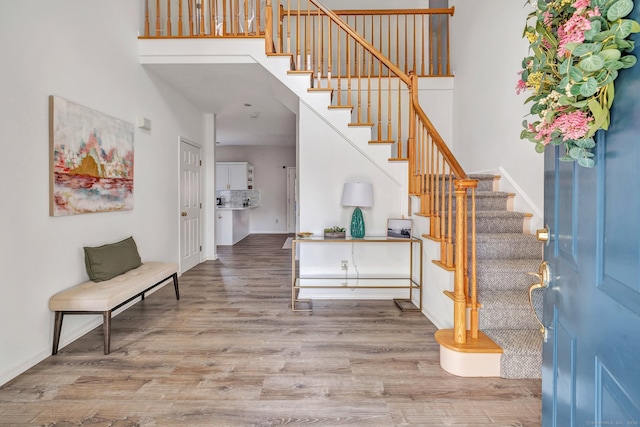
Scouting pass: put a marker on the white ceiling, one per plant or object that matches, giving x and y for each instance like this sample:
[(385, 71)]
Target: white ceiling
[(225, 89)]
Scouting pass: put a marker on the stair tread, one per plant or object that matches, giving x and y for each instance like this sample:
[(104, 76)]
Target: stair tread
[(512, 299), (517, 341)]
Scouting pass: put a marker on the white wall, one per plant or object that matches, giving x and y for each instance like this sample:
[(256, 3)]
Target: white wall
[(270, 178), (87, 52), (487, 49)]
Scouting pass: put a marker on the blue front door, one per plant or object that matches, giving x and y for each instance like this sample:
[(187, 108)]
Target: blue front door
[(591, 359)]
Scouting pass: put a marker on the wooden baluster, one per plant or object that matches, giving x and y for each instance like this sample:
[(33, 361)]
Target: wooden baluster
[(281, 28), (369, 65), (397, 40), (180, 18), (439, 46), (449, 260), (190, 4), (246, 17), (406, 46), (213, 8), (329, 52), (201, 10), (307, 33), (348, 67), (268, 30), (422, 45), (379, 100), (168, 34), (431, 47), (415, 48), (389, 128), (359, 107), (320, 45), (373, 37), (298, 58), (339, 58), (448, 51), (146, 18), (399, 121), (257, 22), (158, 27)]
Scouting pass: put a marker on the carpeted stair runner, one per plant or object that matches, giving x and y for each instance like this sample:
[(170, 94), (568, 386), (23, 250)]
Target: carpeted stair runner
[(505, 255)]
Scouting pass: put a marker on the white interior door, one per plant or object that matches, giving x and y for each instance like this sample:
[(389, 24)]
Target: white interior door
[(190, 205)]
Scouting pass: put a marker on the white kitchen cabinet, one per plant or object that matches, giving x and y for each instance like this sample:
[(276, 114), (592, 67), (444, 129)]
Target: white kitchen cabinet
[(232, 225), (234, 176)]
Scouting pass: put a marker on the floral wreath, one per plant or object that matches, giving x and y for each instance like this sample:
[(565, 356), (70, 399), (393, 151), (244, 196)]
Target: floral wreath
[(577, 48)]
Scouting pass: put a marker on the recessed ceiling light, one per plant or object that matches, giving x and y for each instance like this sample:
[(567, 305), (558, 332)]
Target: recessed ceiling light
[(254, 115)]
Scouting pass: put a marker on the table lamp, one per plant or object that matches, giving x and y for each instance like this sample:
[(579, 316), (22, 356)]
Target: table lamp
[(360, 195)]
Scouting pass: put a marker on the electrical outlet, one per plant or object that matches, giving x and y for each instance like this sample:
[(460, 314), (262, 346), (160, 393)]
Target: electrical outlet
[(344, 264)]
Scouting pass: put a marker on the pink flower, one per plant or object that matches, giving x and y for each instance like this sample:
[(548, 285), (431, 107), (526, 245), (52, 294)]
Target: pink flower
[(521, 86), (572, 31), (581, 4), (594, 12), (548, 18), (573, 125)]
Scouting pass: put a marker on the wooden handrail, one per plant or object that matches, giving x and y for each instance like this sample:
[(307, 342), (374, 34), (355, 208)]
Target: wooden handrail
[(366, 12)]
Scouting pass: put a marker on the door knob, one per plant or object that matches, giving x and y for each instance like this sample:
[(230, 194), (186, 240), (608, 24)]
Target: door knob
[(183, 214), (543, 277), (542, 234)]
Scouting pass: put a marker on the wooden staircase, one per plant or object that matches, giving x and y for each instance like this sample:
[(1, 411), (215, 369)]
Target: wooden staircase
[(366, 87)]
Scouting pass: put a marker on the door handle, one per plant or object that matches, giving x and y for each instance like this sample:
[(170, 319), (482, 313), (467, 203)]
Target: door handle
[(183, 214), (543, 276)]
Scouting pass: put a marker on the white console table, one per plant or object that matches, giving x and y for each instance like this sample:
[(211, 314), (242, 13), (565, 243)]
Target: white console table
[(409, 283)]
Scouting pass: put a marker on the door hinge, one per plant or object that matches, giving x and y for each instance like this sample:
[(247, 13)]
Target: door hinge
[(200, 162), (200, 205), (200, 248)]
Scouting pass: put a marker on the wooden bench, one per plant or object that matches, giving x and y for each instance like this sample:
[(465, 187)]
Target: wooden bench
[(107, 296)]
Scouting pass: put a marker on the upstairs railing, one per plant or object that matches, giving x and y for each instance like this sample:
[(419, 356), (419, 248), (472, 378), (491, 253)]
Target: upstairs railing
[(379, 92)]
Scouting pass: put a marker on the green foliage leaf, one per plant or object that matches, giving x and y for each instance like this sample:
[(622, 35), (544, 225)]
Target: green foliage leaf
[(610, 54), (613, 65), (580, 104), (589, 87), (576, 74), (587, 163), (591, 63), (564, 67), (625, 45), (587, 143), (624, 29), (539, 148), (619, 9), (575, 89), (611, 93), (628, 61), (581, 49), (596, 27), (602, 35)]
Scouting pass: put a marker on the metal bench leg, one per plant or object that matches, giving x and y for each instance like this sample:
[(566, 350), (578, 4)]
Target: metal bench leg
[(175, 285), (106, 330), (57, 328)]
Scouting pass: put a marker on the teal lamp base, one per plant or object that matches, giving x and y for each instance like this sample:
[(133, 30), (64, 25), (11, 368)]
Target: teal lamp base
[(357, 224)]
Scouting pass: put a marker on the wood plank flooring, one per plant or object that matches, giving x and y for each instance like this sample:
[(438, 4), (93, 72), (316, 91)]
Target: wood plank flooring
[(231, 353)]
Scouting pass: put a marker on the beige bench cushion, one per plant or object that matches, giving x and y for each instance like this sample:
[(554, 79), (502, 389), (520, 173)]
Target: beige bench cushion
[(103, 296)]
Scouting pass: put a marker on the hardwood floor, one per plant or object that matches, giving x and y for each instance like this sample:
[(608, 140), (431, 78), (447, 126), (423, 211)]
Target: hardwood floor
[(231, 353)]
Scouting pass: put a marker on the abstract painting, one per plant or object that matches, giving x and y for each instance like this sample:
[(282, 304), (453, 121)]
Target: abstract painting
[(91, 160)]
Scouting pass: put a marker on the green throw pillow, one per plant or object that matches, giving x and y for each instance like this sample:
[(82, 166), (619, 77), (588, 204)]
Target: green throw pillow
[(108, 261)]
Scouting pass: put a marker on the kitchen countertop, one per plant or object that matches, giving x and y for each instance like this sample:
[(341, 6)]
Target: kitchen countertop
[(235, 208)]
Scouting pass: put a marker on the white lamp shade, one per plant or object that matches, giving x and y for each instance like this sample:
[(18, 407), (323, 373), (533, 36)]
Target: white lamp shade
[(357, 194)]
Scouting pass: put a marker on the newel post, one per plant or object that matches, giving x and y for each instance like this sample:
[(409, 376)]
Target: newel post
[(268, 31), (459, 294)]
